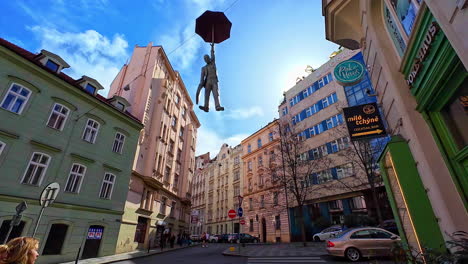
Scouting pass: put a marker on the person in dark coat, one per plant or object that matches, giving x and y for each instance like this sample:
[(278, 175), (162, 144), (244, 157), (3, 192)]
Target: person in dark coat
[(172, 240)]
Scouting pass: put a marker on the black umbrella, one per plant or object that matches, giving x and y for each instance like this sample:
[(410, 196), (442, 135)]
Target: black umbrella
[(213, 27)]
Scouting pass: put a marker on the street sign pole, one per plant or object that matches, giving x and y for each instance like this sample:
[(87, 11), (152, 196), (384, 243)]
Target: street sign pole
[(48, 196), (16, 220)]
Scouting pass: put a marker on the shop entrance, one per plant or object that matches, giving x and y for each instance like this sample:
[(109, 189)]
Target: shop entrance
[(93, 242)]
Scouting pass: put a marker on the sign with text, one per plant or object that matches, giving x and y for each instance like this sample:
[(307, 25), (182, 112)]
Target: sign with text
[(349, 72), (94, 233), (364, 121)]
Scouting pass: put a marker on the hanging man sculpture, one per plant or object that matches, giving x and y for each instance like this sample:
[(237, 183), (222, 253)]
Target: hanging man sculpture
[(209, 80)]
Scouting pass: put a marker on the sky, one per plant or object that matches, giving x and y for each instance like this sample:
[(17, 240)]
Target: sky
[(271, 43)]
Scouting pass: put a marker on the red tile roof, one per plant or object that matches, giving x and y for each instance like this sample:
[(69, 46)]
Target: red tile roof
[(34, 59)]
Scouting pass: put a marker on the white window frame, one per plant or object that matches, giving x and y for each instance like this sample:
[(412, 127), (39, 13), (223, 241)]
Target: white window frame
[(325, 102), (2, 146), (108, 182), (59, 114), (33, 163), (309, 111), (117, 147), (17, 95), (92, 129), (76, 175), (321, 83), (305, 93)]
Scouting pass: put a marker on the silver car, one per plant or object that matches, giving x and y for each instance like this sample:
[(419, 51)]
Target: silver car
[(362, 242), (327, 233)]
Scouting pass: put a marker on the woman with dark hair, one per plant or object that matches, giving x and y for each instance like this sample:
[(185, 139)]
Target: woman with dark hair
[(20, 250)]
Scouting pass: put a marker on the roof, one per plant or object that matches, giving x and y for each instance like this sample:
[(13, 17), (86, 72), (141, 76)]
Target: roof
[(33, 58)]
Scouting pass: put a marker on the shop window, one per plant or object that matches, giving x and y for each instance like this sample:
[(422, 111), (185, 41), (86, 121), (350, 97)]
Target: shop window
[(455, 113), (55, 239)]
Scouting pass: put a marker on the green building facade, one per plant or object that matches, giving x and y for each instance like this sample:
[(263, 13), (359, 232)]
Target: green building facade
[(57, 129)]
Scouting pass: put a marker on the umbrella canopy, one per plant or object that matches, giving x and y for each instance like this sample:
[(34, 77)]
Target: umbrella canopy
[(213, 27)]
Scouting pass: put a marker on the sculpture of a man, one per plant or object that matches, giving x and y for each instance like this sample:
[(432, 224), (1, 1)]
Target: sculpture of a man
[(209, 80)]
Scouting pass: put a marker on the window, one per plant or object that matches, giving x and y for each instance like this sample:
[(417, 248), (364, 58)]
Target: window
[(236, 160), (171, 147), (174, 122), (249, 166), (16, 98), (167, 174), (363, 234), (90, 89), (107, 186), (270, 136), (260, 161), (275, 198), (36, 169), (334, 205), (177, 99), (236, 190), (277, 222), (262, 201), (251, 225), (120, 106), (357, 202), (58, 116), (181, 132), (52, 65), (251, 204), (259, 143), (236, 175), (91, 131), (380, 234), (75, 178), (2, 146), (162, 210), (55, 239), (118, 143), (249, 148), (285, 111), (184, 110), (173, 209), (261, 180)]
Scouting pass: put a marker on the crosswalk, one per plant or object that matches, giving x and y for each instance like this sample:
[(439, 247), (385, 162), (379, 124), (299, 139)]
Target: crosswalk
[(284, 260)]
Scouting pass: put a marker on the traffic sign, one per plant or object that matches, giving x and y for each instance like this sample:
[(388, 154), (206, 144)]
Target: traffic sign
[(232, 213), (49, 194), (240, 212), (21, 207), (242, 222)]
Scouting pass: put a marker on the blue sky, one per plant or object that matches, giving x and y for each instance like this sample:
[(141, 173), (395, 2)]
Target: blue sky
[(271, 44)]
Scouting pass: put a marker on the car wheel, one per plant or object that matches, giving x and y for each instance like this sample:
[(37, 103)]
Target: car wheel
[(317, 239), (353, 254)]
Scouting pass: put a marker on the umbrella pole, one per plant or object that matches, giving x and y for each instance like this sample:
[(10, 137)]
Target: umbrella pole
[(212, 34)]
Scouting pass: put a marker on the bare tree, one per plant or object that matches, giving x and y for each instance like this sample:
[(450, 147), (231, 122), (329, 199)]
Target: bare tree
[(293, 170)]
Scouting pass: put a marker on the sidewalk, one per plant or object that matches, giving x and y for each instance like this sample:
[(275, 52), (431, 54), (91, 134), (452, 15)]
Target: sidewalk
[(278, 250), (128, 255)]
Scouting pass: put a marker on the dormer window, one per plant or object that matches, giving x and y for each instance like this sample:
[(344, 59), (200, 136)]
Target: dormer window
[(52, 65), (120, 106), (90, 89)]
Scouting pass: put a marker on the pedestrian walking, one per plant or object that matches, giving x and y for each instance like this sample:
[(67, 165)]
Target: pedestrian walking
[(204, 239), (172, 240), (20, 250), (162, 241), (179, 240)]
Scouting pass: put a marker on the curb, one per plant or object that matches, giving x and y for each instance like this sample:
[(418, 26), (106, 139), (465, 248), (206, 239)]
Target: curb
[(148, 254)]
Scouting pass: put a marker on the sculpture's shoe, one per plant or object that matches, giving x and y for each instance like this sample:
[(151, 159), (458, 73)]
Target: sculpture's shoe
[(219, 108), (203, 108)]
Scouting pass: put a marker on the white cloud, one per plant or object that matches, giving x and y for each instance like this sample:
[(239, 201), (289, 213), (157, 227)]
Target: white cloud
[(244, 113), (209, 141), (88, 53)]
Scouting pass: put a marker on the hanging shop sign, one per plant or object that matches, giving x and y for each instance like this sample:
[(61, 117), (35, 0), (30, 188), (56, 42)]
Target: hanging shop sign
[(349, 72), (364, 121), (422, 53)]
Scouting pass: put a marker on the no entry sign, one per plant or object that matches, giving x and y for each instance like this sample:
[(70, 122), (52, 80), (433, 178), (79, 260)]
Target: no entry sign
[(232, 213), (242, 222)]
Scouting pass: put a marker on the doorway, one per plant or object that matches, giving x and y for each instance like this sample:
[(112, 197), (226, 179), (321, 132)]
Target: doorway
[(140, 232), (93, 242), (264, 232)]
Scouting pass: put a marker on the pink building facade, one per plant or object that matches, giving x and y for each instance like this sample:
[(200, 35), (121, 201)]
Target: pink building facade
[(159, 195)]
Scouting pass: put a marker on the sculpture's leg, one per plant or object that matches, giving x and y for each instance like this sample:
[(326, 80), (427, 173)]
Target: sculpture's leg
[(216, 98), (207, 98)]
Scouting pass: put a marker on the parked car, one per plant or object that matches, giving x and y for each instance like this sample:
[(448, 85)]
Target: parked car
[(389, 225), (195, 238), (224, 238), (245, 238), (213, 238), (327, 233), (360, 242)]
